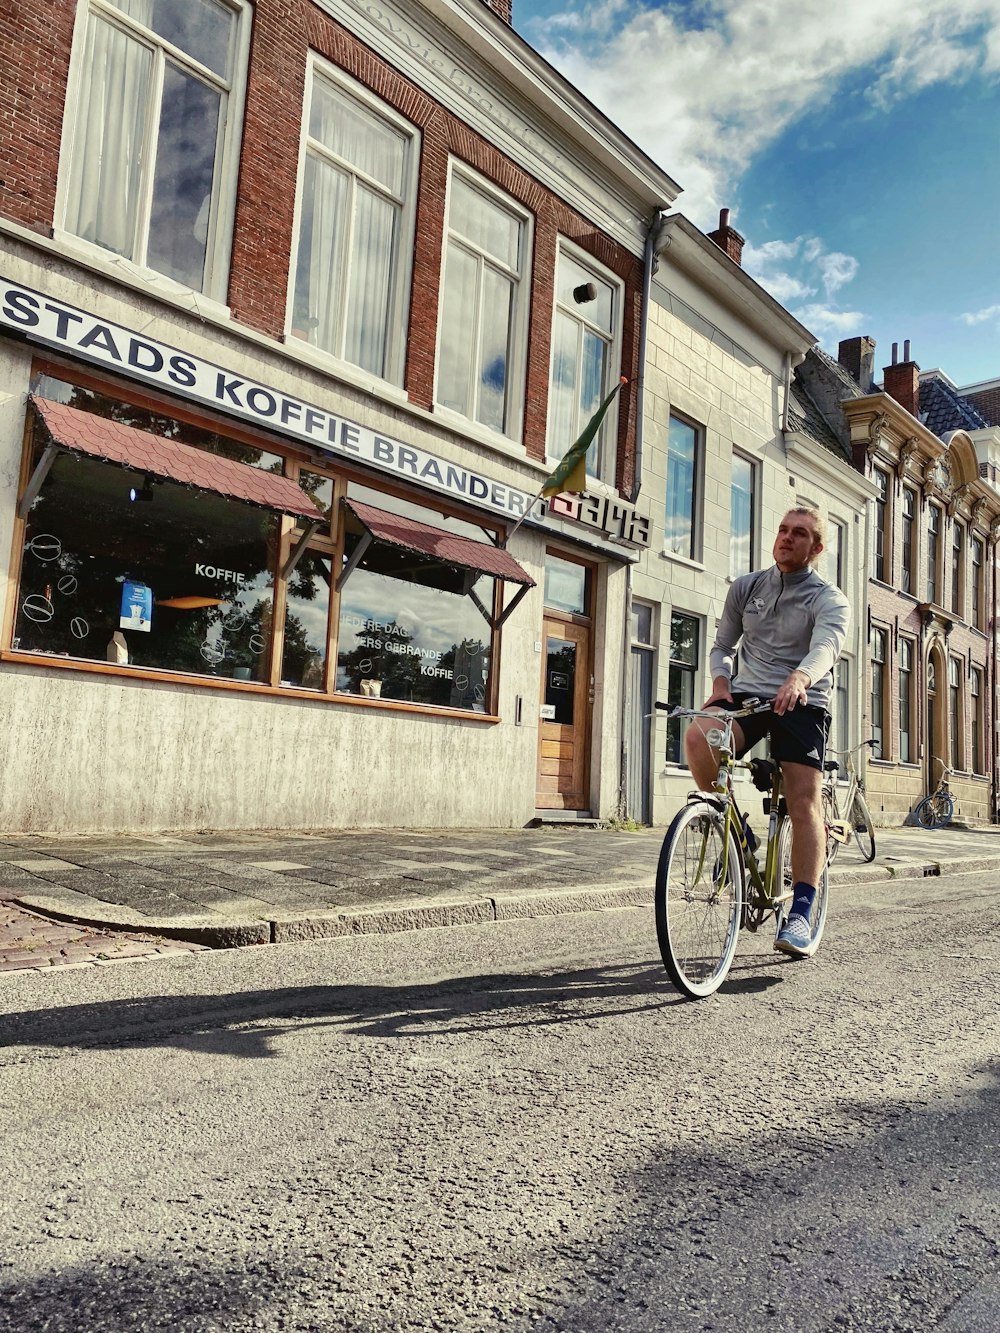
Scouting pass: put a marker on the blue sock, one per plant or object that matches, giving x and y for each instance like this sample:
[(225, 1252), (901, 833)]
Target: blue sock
[(803, 897)]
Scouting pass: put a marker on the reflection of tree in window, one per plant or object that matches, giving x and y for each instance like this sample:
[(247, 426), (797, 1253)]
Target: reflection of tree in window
[(156, 423), (423, 644), (306, 613), (207, 560)]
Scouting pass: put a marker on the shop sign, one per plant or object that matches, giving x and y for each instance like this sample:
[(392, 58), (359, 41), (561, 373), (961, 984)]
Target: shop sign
[(113, 347)]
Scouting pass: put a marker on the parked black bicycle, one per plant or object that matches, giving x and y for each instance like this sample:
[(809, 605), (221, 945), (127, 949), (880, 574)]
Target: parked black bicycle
[(936, 810)]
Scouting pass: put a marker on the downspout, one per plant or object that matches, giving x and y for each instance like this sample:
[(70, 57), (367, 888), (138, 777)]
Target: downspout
[(786, 389), (648, 268)]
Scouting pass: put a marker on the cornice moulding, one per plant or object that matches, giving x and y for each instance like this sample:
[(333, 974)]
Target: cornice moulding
[(682, 245), (837, 474)]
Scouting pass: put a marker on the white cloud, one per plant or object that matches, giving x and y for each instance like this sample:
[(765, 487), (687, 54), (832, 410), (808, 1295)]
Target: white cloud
[(981, 316), (829, 324), (704, 88), (836, 270), (794, 270)]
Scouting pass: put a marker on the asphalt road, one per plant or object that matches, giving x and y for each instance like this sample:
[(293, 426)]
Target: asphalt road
[(514, 1127)]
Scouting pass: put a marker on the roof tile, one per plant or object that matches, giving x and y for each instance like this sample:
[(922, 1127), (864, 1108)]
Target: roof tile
[(448, 547), (113, 441)]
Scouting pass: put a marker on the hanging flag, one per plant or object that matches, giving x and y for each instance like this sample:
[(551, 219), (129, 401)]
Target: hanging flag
[(570, 476)]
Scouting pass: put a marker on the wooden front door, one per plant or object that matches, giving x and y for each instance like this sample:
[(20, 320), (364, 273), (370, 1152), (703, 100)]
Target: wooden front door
[(563, 728)]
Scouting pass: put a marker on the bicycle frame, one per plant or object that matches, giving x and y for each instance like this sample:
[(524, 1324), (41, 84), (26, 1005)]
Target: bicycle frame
[(766, 894), (855, 783)]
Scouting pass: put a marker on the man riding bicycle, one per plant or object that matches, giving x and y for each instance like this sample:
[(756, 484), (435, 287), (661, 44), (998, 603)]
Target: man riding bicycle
[(789, 625)]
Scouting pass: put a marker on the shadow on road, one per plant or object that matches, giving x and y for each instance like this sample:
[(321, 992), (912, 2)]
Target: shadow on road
[(244, 1024)]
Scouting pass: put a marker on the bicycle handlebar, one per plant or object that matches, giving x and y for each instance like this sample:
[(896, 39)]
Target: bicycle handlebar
[(750, 707), (870, 742)]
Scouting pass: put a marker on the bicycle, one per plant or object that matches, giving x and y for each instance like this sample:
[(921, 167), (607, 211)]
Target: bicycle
[(853, 812), (709, 885), (936, 810)]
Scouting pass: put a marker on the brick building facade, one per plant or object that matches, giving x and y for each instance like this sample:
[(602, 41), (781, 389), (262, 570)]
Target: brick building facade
[(380, 252), (931, 594)]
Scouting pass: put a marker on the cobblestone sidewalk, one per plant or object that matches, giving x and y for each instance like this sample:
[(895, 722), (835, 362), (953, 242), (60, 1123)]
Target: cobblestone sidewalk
[(34, 943)]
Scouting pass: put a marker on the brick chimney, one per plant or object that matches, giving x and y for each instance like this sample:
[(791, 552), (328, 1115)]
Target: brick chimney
[(857, 356), (902, 380), (727, 238), (502, 7)]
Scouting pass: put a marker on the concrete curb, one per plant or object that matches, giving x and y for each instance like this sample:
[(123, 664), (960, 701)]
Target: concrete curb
[(422, 914)]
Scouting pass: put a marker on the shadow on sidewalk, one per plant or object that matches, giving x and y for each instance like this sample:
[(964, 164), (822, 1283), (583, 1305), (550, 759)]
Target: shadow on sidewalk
[(245, 1025)]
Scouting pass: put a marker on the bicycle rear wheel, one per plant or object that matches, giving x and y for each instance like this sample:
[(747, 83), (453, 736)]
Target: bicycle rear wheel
[(861, 824), (786, 884), (697, 908)]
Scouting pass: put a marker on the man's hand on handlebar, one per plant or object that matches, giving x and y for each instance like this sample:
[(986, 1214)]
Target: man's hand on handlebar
[(721, 693)]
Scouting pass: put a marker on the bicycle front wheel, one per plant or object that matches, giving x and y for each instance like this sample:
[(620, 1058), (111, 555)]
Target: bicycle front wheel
[(699, 897), (861, 824), (786, 885), (830, 815), (933, 811)]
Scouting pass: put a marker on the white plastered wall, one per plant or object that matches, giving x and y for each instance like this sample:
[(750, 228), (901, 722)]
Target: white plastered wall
[(719, 373), (89, 752)]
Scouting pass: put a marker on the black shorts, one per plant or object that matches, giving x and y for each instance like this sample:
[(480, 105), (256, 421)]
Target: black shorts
[(797, 737)]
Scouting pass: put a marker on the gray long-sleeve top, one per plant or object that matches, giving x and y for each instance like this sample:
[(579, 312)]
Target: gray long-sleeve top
[(780, 623)]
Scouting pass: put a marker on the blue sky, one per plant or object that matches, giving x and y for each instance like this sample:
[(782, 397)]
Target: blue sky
[(855, 142)]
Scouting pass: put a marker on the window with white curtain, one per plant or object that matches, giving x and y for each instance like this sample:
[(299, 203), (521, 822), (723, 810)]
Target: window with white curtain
[(484, 305), (355, 213), (585, 354), (152, 138)]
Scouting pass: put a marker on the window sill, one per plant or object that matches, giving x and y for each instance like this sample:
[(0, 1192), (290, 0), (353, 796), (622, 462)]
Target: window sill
[(145, 280), (473, 430), (683, 560), (317, 359), (240, 686)]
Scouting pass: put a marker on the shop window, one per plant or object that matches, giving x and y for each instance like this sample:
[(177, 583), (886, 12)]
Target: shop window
[(145, 552), (741, 513), (174, 580), (307, 629), (685, 633), (683, 462), (154, 135), (355, 219), (484, 305), (584, 350), (412, 628)]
